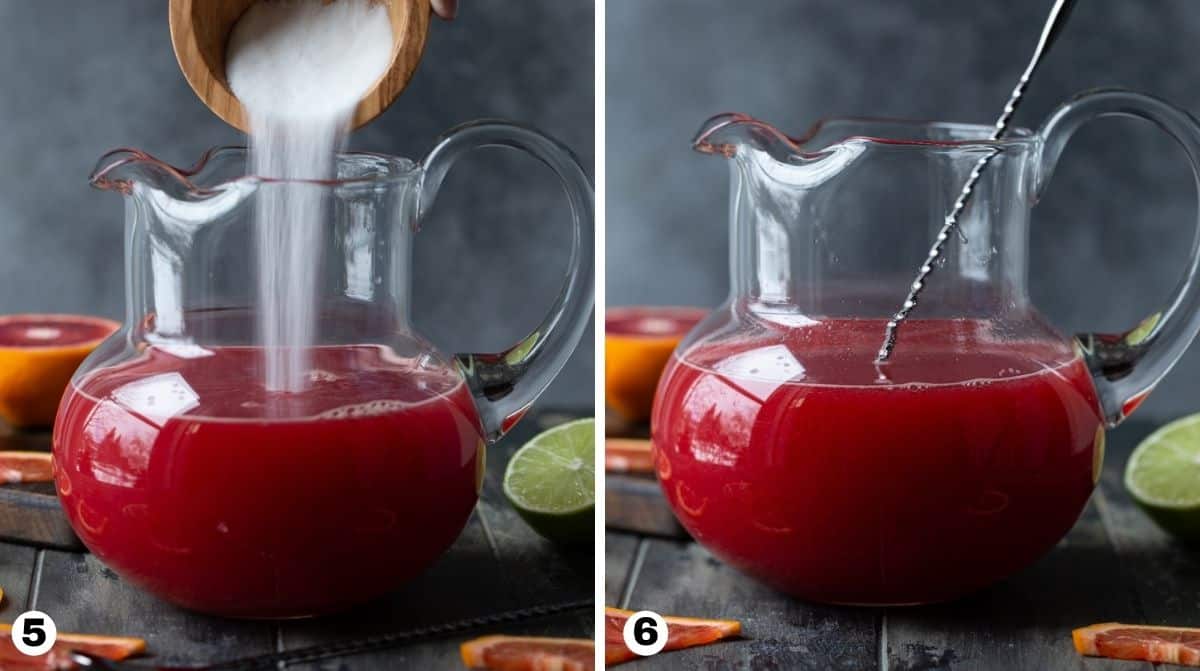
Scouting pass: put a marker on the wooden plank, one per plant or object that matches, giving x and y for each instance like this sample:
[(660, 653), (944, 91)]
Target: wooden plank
[(16, 576), (30, 513), (780, 633), (1165, 575), (84, 596), (635, 503), (620, 550), (1024, 622)]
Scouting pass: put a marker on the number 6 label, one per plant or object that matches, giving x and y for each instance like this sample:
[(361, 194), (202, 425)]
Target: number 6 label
[(645, 633), (34, 633)]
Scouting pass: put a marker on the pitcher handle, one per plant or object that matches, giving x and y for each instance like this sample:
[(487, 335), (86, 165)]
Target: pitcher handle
[(506, 383), (1126, 366)]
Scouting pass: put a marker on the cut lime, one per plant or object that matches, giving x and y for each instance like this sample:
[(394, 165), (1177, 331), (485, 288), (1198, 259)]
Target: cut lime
[(1143, 330), (551, 481), (1163, 476)]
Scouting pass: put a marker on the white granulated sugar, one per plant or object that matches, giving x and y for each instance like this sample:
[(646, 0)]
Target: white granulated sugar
[(299, 68), (290, 58)]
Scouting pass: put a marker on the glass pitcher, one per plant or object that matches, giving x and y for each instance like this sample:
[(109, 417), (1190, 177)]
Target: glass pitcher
[(789, 453), (186, 473)]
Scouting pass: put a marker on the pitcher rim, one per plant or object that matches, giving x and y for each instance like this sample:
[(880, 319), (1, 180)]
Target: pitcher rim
[(115, 159), (703, 141)]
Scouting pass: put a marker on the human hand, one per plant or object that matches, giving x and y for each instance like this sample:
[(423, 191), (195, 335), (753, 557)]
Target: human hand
[(446, 9)]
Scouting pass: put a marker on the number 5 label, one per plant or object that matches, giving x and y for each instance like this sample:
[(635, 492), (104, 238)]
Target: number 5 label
[(645, 633), (34, 633)]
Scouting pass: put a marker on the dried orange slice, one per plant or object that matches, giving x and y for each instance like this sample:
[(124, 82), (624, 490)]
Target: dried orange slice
[(682, 632), (16, 466), (529, 653), (628, 455), (638, 342), (115, 648), (38, 355), (1169, 645)]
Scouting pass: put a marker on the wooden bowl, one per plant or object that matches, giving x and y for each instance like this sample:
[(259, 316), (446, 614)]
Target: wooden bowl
[(200, 30)]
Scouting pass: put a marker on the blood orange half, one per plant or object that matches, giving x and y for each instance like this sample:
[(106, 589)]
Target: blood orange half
[(638, 342), (1170, 645), (682, 632), (38, 355), (529, 653), (628, 455), (16, 466), (115, 648)]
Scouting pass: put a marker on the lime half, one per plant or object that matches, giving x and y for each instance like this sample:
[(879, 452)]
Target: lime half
[(1163, 476), (551, 481)]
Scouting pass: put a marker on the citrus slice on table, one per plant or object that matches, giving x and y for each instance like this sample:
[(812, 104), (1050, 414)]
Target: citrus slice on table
[(115, 648), (682, 632), (551, 481), (1170, 645), (529, 653), (638, 342), (628, 455), (38, 355), (18, 466), (1163, 476)]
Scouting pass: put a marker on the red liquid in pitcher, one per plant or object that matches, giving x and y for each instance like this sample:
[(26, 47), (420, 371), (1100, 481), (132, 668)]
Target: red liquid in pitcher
[(188, 478), (783, 453)]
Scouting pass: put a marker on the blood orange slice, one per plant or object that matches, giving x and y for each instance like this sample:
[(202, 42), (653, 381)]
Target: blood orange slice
[(638, 342), (682, 632), (1170, 645), (529, 653), (628, 455), (18, 466), (115, 648), (38, 355)]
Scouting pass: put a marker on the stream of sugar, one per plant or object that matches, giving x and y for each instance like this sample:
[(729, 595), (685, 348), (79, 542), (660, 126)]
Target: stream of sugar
[(299, 68)]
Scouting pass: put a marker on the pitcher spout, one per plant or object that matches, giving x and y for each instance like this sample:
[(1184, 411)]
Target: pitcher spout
[(120, 169), (723, 134), (766, 153)]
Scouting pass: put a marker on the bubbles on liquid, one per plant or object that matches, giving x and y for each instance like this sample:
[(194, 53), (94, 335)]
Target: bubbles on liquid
[(368, 409), (318, 375)]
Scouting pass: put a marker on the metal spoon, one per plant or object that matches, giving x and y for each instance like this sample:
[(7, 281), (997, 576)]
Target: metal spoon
[(1051, 31)]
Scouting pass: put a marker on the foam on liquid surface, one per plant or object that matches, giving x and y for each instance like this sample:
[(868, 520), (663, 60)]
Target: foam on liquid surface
[(351, 382)]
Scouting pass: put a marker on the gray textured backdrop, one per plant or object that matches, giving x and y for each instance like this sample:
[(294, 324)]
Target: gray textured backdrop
[(83, 77), (1108, 240)]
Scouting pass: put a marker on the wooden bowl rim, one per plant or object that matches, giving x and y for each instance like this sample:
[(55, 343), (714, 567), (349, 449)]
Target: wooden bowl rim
[(213, 89)]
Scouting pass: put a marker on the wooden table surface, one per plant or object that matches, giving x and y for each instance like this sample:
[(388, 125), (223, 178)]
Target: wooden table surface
[(497, 564), (1114, 565)]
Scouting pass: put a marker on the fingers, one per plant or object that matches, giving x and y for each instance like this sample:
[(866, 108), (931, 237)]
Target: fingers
[(446, 9)]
